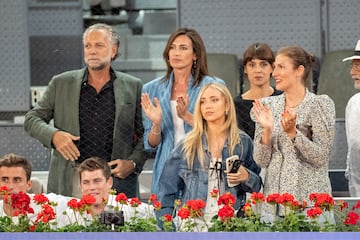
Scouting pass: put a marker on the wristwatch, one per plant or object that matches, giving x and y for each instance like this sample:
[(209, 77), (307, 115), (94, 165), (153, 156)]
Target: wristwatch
[(135, 171), (134, 164)]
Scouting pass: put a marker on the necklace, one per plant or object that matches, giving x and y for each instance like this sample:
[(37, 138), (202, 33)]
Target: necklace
[(295, 106)]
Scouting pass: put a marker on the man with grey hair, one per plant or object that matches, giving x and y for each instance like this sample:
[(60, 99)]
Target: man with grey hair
[(96, 112), (352, 124)]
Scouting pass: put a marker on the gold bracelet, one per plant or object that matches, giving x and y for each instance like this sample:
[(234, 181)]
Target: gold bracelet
[(155, 133)]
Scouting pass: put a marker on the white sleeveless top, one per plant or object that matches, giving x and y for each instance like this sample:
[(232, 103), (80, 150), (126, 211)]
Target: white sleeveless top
[(179, 131)]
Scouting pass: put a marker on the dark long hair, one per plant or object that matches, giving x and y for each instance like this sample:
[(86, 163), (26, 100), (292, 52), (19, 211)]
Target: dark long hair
[(199, 69)]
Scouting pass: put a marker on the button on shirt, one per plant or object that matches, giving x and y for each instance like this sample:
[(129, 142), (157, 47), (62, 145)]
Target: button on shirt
[(96, 117)]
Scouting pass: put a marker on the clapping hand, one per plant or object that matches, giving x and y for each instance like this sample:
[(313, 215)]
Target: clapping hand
[(288, 122), (263, 115), (152, 111), (182, 104)]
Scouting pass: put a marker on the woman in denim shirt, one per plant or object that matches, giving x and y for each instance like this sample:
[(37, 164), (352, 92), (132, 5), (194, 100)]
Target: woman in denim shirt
[(197, 165), (168, 102)]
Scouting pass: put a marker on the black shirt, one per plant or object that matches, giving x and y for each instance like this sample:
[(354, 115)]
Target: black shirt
[(97, 118), (243, 108)]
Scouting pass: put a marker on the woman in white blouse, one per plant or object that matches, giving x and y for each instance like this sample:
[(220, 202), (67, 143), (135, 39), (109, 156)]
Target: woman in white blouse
[(294, 131)]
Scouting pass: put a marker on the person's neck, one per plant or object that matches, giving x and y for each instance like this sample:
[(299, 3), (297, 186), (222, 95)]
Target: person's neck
[(214, 131), (294, 96), (216, 138), (257, 92), (181, 76), (99, 78)]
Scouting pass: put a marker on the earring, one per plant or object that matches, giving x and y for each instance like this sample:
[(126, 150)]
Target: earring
[(226, 113), (194, 64)]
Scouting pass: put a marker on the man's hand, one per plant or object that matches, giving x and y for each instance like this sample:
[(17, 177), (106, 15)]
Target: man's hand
[(64, 144), (122, 169)]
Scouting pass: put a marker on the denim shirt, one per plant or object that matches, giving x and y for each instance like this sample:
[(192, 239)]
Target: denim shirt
[(177, 181), (161, 89)]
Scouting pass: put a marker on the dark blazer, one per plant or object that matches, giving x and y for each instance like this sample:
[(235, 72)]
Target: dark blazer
[(60, 103)]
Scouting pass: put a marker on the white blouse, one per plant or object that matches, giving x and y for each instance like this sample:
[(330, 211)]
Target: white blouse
[(179, 131)]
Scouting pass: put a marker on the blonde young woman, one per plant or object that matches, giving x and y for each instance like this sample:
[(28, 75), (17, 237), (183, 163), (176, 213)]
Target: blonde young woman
[(197, 165), (294, 131)]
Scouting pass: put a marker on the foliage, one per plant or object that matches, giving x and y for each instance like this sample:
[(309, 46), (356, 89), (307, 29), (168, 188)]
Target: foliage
[(297, 218), (79, 215), (314, 215), (137, 224)]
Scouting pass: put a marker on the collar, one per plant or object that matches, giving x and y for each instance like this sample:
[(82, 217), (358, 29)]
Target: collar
[(86, 74), (171, 81)]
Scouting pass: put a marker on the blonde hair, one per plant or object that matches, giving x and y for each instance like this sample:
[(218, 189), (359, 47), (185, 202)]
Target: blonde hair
[(193, 144)]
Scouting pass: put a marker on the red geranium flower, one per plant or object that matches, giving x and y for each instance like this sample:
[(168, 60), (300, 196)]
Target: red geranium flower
[(195, 204), (121, 198), (73, 204), (257, 197), (314, 212), (296, 206), (152, 198), (85, 203), (21, 202), (356, 206), (4, 189), (46, 214), (214, 193), (226, 212), (134, 202), (184, 213), (322, 200), (195, 207), (88, 199), (351, 218), (32, 228), (226, 199), (285, 199), (272, 198), (157, 205), (168, 217), (40, 199)]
